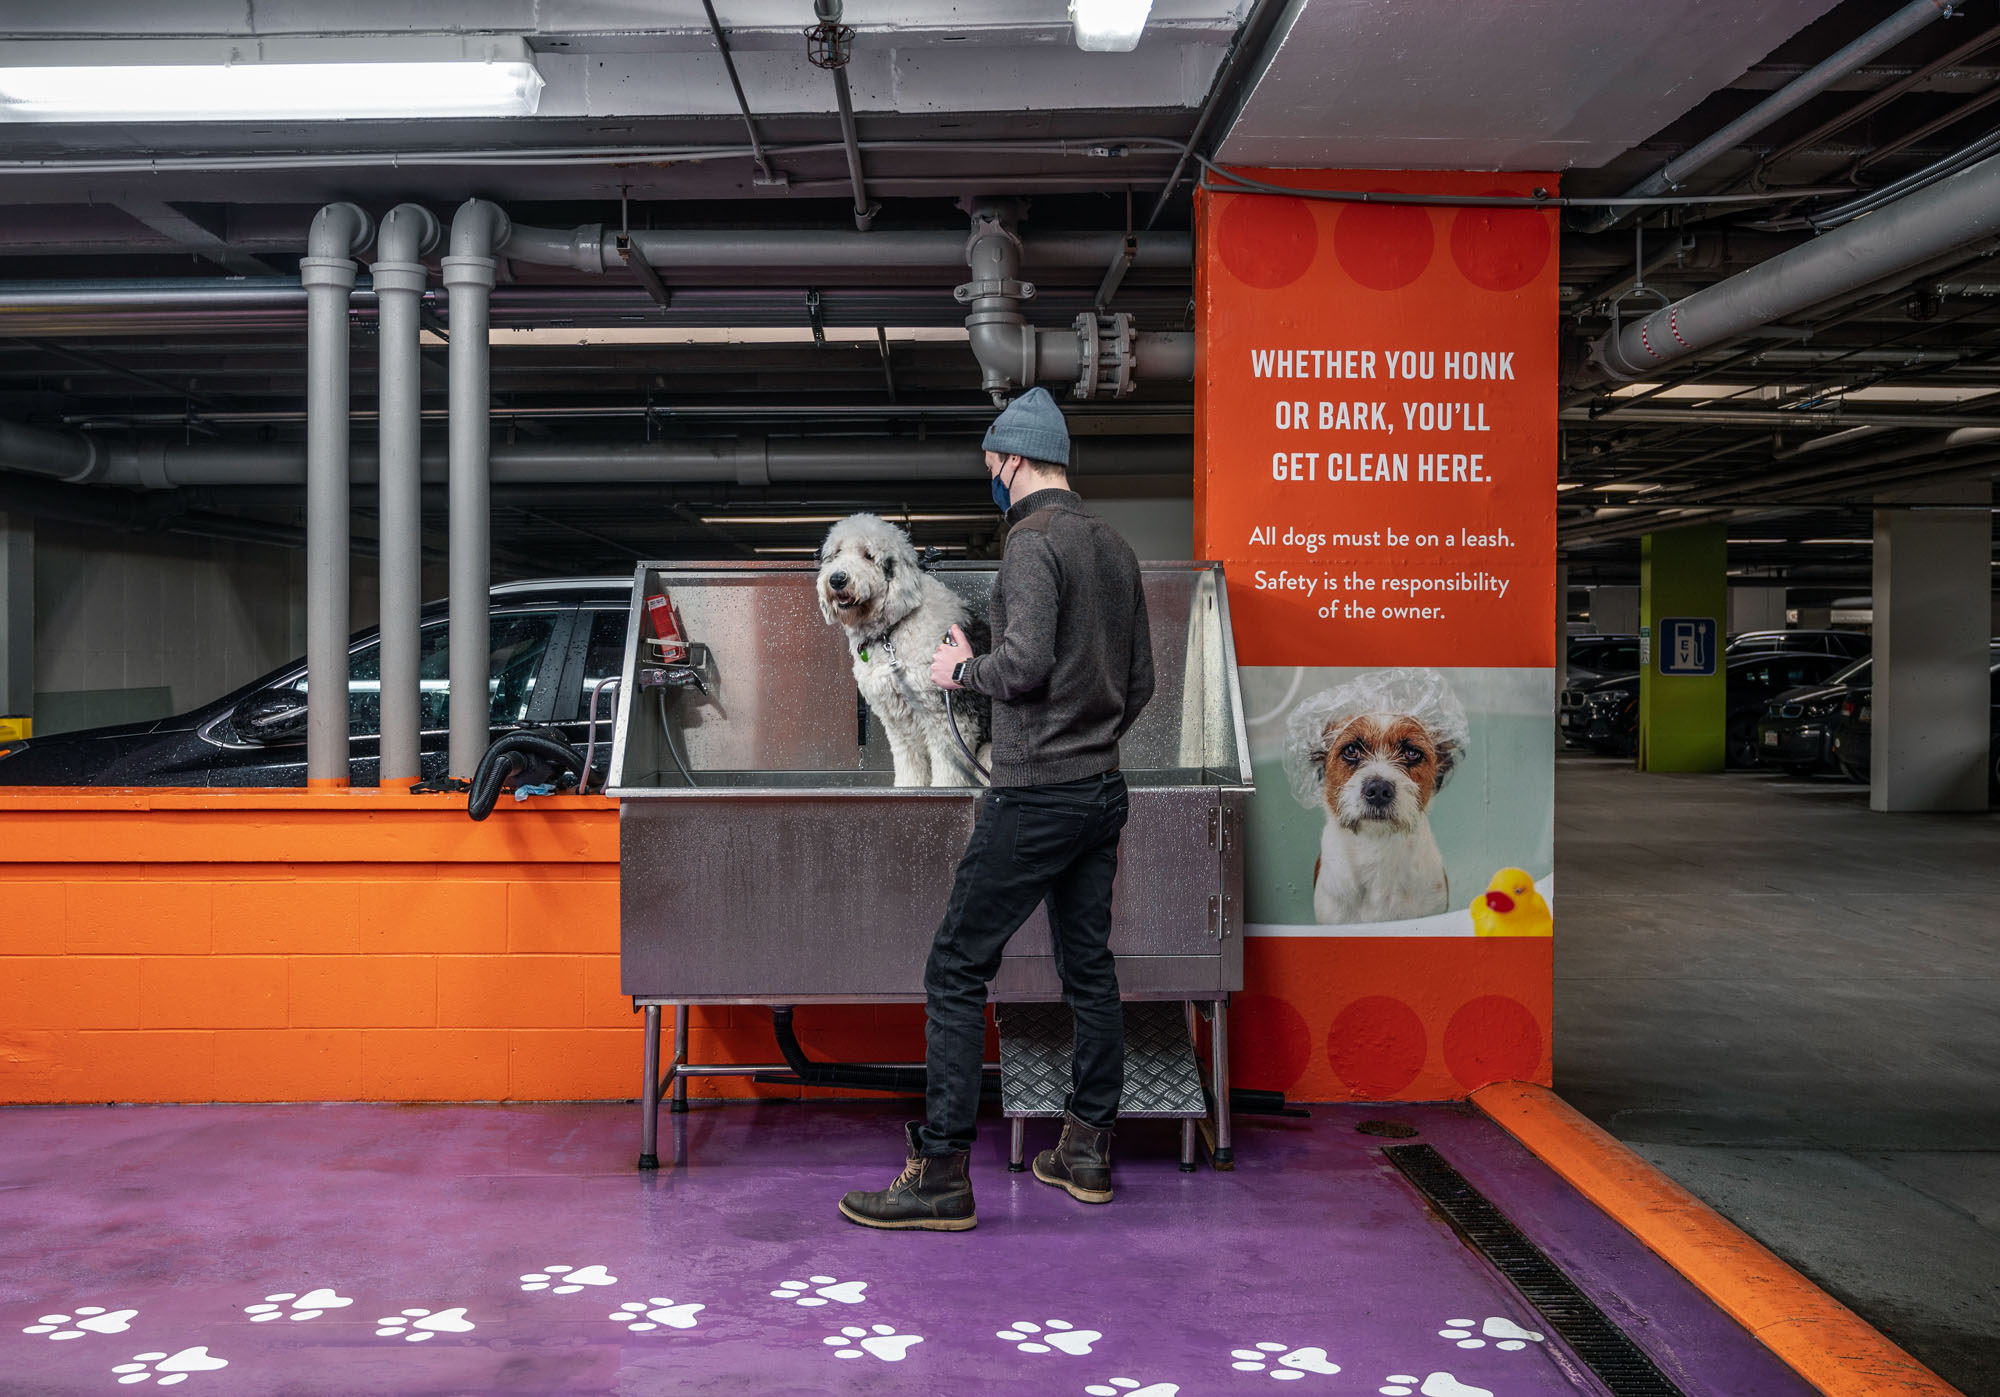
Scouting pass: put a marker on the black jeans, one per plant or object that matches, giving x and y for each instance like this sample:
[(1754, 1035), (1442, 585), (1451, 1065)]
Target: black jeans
[(1029, 843)]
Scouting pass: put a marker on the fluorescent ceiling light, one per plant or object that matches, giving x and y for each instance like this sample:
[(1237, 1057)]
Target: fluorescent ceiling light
[(1626, 487), (268, 79), (1109, 26), (1853, 542), (1756, 540)]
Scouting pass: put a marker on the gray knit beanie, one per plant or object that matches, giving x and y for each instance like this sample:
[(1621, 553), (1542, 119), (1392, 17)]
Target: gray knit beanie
[(1032, 426)]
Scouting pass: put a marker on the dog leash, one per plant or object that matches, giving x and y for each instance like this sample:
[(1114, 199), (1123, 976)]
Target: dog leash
[(886, 640)]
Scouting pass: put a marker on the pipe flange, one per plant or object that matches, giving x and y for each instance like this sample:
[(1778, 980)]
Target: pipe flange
[(753, 461), (398, 276), (150, 462), (467, 270), (1005, 287), (1106, 356), (337, 272)]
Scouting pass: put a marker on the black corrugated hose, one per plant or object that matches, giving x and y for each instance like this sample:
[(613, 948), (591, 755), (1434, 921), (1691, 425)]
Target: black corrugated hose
[(539, 758)]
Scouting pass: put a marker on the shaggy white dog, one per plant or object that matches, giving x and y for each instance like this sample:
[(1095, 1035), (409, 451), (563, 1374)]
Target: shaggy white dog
[(873, 586)]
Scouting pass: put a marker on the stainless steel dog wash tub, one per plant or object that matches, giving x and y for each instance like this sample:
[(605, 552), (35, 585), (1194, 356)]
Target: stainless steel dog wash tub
[(765, 856)]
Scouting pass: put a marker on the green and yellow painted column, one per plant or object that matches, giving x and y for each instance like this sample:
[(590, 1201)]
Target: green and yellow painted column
[(1683, 603)]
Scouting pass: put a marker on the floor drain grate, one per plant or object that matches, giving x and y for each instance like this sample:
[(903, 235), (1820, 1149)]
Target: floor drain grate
[(1601, 1345)]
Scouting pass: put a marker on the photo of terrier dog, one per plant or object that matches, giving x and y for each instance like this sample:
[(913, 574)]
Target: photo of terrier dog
[(1372, 754), (873, 586)]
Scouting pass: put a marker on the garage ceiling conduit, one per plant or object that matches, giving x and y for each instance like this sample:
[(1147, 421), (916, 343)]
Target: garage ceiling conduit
[(407, 233), (339, 233), (1809, 84), (477, 230), (1908, 233), (747, 461), (832, 256)]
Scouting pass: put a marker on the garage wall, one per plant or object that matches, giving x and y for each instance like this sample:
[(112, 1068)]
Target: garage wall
[(132, 628), (1159, 530)]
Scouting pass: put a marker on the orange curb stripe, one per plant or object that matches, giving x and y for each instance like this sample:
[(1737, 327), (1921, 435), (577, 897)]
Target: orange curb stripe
[(1829, 1345)]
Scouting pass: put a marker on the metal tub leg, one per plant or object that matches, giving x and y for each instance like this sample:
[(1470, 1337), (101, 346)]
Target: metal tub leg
[(1187, 1146), (1020, 1133), (649, 1094), (680, 1099), (1223, 1154)]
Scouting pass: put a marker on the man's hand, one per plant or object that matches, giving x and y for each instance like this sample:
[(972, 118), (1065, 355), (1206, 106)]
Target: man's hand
[(955, 649)]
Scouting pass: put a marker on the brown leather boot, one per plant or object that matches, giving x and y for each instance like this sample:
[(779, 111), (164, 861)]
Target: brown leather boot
[(1080, 1162), (932, 1194)]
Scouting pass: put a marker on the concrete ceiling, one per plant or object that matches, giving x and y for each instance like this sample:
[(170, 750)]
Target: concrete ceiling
[(1524, 85)]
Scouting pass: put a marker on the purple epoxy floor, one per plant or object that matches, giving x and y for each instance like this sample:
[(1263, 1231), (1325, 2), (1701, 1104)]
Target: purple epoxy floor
[(436, 1234)]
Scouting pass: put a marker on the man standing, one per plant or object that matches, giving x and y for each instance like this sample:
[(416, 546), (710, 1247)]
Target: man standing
[(1070, 668)]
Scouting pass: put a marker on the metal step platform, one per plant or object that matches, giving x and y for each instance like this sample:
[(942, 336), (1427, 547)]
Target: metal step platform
[(1162, 1074)]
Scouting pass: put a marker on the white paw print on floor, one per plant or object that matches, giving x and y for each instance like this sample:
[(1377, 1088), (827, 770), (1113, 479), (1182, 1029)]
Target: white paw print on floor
[(566, 1280), (311, 1305), (1507, 1334), (884, 1342), (1292, 1363), (1129, 1387), (819, 1289), (90, 1319), (168, 1369), (642, 1316), (1057, 1335), (1436, 1385), (419, 1325)]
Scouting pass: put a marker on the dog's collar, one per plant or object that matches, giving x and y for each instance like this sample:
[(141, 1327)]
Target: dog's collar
[(886, 639)]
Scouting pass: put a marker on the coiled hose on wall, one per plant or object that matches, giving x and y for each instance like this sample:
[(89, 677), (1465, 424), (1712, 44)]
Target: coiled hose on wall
[(537, 758)]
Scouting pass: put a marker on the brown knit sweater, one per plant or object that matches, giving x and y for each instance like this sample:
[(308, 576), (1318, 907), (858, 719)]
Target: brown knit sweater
[(1072, 660)]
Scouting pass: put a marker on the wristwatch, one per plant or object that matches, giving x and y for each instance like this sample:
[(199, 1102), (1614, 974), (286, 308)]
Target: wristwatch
[(958, 673)]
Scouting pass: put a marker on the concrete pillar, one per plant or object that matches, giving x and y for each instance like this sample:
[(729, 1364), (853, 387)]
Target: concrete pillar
[(1614, 610), (1683, 606), (17, 616), (1756, 609), (1931, 698)]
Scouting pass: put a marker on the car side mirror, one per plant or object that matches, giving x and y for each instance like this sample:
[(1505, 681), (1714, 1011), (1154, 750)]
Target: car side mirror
[(271, 716)]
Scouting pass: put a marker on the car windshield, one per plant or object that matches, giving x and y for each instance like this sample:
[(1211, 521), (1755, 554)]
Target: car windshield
[(1852, 674)]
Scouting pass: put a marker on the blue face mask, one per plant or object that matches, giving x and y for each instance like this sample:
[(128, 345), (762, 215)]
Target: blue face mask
[(1000, 494)]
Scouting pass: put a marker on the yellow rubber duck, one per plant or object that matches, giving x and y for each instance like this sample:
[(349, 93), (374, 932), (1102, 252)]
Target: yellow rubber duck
[(1511, 906)]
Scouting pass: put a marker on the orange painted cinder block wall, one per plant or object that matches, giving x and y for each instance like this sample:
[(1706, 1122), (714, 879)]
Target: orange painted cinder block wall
[(293, 946), (345, 946)]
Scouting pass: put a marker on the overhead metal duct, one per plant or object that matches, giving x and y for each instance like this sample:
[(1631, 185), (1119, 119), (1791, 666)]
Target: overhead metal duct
[(1809, 84), (339, 233), (1928, 224)]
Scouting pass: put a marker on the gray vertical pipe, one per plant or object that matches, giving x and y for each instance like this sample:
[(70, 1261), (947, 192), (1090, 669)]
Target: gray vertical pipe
[(476, 230), (407, 232), (339, 232)]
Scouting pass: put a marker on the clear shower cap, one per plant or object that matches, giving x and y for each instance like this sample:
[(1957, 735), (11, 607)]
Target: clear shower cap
[(1421, 693)]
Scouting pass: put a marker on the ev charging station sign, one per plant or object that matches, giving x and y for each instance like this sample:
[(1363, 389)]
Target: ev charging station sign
[(1687, 646)]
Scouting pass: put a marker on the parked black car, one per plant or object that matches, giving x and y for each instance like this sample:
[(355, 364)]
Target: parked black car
[(1852, 644), (551, 641), (1854, 732), (1795, 734), (1610, 708), (1591, 660)]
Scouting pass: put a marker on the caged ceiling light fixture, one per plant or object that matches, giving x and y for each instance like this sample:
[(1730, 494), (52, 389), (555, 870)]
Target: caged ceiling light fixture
[(1109, 26), (310, 79)]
